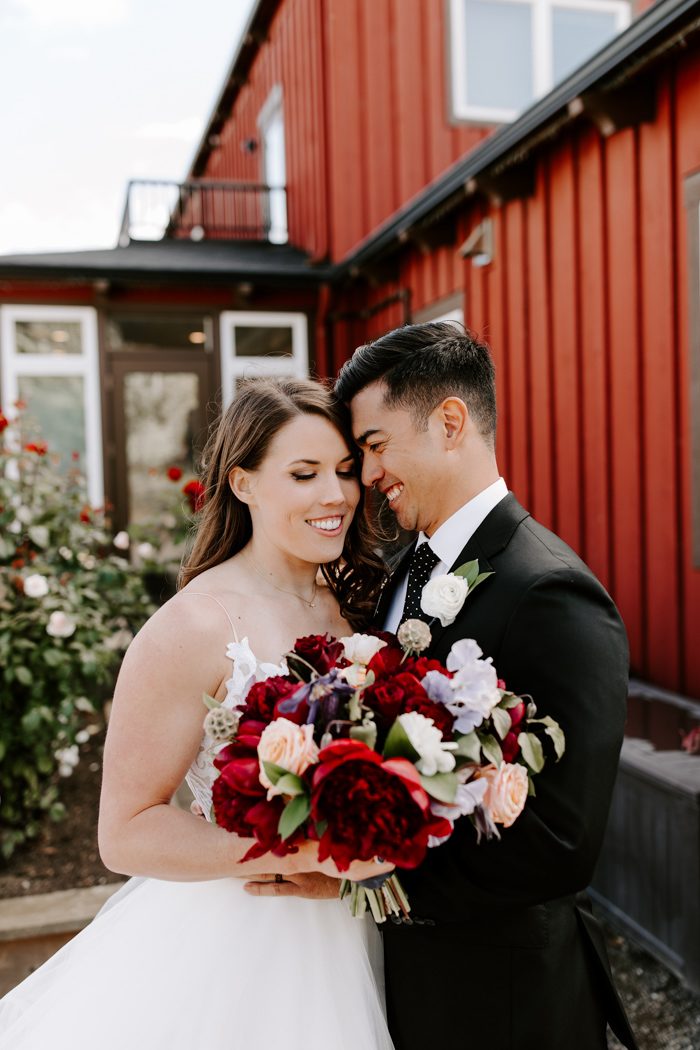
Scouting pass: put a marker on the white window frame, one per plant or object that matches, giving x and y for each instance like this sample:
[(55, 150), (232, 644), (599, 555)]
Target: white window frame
[(14, 365), (541, 45), (273, 107), (234, 367)]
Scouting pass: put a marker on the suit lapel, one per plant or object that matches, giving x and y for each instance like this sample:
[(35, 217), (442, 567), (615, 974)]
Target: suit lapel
[(492, 536)]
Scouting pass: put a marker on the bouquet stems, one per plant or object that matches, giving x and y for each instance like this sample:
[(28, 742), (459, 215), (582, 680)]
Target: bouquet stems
[(389, 899)]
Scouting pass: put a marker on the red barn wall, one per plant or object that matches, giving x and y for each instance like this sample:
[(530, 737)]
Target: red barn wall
[(586, 308)]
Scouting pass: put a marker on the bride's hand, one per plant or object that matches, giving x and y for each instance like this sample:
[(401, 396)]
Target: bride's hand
[(307, 860)]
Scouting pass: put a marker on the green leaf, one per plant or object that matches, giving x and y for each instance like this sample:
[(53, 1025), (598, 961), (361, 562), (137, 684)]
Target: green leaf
[(509, 700), (501, 721), (290, 784), (53, 657), (442, 786), (39, 535), (531, 750), (398, 745), (530, 787), (293, 815), (470, 571), (480, 579), (23, 675), (210, 702), (554, 731), (468, 746), (274, 772), (491, 748)]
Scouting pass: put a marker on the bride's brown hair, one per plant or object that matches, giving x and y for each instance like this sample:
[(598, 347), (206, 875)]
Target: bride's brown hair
[(241, 439)]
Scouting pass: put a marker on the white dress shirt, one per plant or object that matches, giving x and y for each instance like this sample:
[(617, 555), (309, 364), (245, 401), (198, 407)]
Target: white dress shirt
[(449, 540)]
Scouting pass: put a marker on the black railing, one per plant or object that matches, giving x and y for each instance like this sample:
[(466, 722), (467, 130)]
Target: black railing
[(157, 209)]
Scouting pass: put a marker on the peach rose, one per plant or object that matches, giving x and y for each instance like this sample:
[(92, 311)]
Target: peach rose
[(507, 792), (287, 745)]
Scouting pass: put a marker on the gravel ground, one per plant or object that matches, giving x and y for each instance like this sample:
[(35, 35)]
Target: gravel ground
[(664, 1015)]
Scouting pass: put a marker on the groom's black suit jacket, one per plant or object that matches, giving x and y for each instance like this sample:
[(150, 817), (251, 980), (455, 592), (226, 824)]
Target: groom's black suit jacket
[(505, 952)]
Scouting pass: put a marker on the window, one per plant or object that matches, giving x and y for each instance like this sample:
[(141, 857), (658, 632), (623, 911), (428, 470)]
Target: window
[(49, 360), (261, 344), (274, 168), (507, 53), (692, 203)]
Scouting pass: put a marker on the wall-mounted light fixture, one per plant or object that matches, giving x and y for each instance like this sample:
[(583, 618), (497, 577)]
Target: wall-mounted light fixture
[(479, 244)]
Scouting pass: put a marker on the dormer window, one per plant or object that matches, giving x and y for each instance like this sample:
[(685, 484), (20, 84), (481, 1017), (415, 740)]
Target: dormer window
[(505, 54)]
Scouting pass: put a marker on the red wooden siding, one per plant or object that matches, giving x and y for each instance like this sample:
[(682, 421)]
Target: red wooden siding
[(365, 110), (586, 308)]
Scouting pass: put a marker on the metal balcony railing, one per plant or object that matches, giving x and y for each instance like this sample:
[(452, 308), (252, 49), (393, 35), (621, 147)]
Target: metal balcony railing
[(158, 209)]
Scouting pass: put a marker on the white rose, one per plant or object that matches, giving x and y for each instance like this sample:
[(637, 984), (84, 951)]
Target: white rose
[(68, 756), (15, 527), (119, 640), (66, 553), (444, 596), (360, 648), (121, 541), (82, 736), (426, 738), (24, 515), (60, 625), (36, 586), (145, 551)]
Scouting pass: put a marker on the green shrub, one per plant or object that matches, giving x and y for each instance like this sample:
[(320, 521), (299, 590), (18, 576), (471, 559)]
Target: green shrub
[(69, 606)]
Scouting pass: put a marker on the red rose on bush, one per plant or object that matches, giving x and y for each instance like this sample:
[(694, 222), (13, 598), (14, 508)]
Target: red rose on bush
[(373, 807), (263, 697), (174, 473), (319, 651), (38, 447), (195, 492)]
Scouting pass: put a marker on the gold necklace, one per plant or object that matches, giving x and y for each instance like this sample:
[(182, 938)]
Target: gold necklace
[(311, 603)]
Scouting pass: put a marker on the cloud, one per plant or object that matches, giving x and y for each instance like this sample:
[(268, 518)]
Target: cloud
[(73, 12), (186, 130)]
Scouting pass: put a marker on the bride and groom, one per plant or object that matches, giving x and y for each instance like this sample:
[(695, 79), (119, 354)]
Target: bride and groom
[(503, 948)]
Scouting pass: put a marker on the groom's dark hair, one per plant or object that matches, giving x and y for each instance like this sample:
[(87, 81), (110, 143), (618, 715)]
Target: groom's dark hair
[(421, 365)]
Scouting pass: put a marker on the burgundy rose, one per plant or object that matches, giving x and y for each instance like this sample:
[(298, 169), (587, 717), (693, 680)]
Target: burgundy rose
[(390, 697), (510, 746), (319, 651), (517, 713), (371, 807), (438, 712), (196, 494), (264, 696), (420, 665), (387, 661)]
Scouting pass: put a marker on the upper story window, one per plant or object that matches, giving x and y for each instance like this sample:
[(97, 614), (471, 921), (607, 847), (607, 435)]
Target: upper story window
[(274, 168), (507, 53)]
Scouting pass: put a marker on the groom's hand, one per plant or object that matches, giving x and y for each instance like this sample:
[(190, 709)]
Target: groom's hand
[(310, 884)]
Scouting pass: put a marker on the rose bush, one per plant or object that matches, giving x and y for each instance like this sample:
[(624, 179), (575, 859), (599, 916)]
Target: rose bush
[(69, 606)]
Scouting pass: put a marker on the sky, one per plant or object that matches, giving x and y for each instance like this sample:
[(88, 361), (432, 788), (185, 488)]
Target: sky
[(93, 93)]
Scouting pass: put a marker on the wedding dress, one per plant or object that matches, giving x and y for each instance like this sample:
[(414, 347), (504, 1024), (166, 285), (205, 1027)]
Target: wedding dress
[(204, 966)]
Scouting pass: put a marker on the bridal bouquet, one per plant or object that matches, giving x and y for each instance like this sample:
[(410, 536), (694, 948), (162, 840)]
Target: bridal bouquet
[(373, 750)]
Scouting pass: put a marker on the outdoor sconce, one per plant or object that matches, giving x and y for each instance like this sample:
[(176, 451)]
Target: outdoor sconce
[(479, 244)]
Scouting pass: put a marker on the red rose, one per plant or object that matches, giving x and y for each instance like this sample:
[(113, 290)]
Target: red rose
[(389, 697), (85, 514), (386, 661), (420, 665), (241, 806), (195, 492), (319, 651), (174, 473), (4, 421), (510, 747), (75, 456), (517, 713), (263, 697), (38, 447), (438, 712), (371, 807)]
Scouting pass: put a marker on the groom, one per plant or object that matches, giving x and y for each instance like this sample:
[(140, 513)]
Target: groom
[(503, 950)]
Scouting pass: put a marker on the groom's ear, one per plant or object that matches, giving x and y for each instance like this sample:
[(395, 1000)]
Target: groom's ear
[(453, 415), (240, 483)]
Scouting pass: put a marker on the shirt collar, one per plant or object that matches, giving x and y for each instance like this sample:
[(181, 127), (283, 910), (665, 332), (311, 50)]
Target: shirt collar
[(453, 534)]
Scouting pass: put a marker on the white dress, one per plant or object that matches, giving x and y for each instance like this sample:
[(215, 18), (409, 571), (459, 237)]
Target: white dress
[(204, 966)]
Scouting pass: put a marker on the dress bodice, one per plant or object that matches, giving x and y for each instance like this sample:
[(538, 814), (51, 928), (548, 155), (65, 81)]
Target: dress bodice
[(247, 670)]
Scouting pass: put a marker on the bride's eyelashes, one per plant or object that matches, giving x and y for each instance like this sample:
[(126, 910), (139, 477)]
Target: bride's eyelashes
[(341, 474)]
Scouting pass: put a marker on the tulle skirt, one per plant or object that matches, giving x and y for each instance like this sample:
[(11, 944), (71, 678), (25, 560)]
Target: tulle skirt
[(204, 966)]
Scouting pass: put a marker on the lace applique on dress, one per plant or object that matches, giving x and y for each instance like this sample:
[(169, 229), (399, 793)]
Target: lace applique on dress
[(246, 671)]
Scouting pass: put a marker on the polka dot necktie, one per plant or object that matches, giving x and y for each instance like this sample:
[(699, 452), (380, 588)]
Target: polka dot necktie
[(423, 561)]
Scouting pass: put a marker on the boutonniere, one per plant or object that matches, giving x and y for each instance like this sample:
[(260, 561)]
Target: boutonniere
[(444, 596)]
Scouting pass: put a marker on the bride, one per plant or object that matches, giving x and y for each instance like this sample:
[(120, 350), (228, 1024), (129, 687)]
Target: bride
[(181, 957)]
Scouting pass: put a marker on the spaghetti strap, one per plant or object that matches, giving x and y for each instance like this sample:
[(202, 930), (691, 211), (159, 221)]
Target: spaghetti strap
[(204, 594)]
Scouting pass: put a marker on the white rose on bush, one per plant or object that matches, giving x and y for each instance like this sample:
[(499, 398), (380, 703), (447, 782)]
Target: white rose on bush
[(444, 596), (121, 541), (60, 625), (68, 758), (36, 586)]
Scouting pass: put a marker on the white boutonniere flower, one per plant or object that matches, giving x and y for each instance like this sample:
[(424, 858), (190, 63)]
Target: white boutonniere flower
[(444, 596)]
